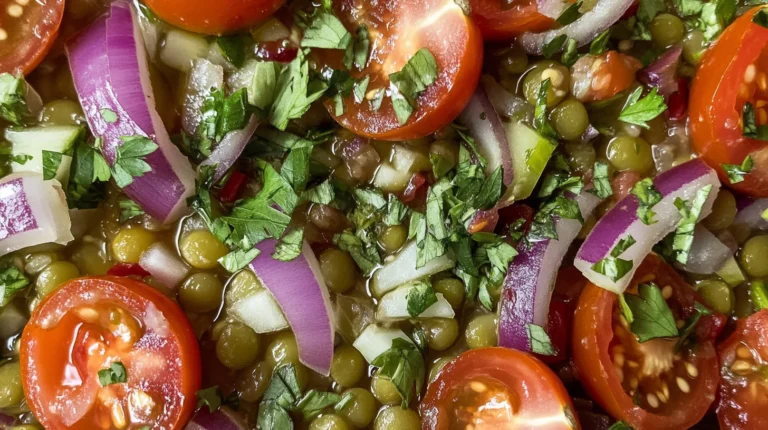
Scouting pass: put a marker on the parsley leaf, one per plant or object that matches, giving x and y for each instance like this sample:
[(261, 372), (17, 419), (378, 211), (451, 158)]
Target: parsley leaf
[(232, 48), (210, 397), (326, 31), (570, 53), (295, 92), (699, 311), (620, 425), (540, 341), (221, 115), (289, 246), (12, 280), (129, 209), (750, 128), (648, 9), (600, 43), (417, 74), (647, 198), (322, 194), (130, 162), (540, 120), (612, 266), (638, 110), (569, 14), (554, 46), (601, 181), (396, 211), (420, 297), (13, 105), (652, 316), (115, 374), (402, 364), (51, 164), (357, 52), (758, 294), (295, 168), (314, 402), (761, 18), (689, 216), (88, 169), (363, 252), (238, 259)]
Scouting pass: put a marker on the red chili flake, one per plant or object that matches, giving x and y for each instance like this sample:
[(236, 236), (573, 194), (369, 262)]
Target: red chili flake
[(415, 193), (677, 104), (233, 188), (484, 221), (127, 269)]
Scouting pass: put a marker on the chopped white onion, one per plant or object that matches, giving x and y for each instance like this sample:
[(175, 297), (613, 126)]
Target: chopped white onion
[(375, 340), (164, 265), (229, 149), (401, 269), (708, 253), (261, 312), (204, 77), (394, 306)]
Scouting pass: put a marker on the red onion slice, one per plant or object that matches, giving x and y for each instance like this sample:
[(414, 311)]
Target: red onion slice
[(708, 253), (682, 181), (531, 277), (662, 72), (110, 71), (231, 146), (221, 419), (505, 103), (583, 30), (164, 265), (751, 215), (490, 137), (299, 288), (32, 212)]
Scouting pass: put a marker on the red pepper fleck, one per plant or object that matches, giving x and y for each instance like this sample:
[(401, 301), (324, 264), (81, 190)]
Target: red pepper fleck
[(677, 103), (233, 188), (127, 269), (415, 194), (484, 221)]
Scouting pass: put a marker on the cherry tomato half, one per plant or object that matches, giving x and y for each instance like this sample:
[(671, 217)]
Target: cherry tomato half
[(397, 29), (650, 385), (214, 17), (744, 364), (498, 22), (27, 32), (89, 325), (735, 71), (493, 388)]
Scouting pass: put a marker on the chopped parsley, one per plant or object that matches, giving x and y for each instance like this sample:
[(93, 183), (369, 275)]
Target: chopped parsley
[(652, 317), (639, 111), (323, 194), (129, 163), (600, 43), (289, 246), (295, 92), (51, 164), (699, 311), (420, 297), (13, 105), (396, 211), (210, 397), (648, 9), (232, 48), (601, 180), (220, 115), (540, 341), (88, 173), (736, 172), (569, 14), (553, 46), (612, 266), (761, 18), (12, 281), (404, 365), (325, 31), (357, 51), (417, 74), (750, 128), (570, 53), (540, 121), (129, 209), (759, 295), (620, 425), (683, 240), (647, 198), (115, 374)]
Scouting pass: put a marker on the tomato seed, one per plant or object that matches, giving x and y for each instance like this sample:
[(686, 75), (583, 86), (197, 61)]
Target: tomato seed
[(634, 383), (662, 397), (22, 2), (15, 10), (633, 364), (666, 292), (741, 367), (3, 34), (618, 360), (762, 81), (653, 401), (682, 384), (691, 370), (88, 315), (619, 374), (743, 352), (665, 390), (477, 386), (118, 415), (750, 73)]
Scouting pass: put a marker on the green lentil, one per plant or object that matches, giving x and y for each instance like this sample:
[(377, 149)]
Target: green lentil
[(237, 346), (348, 366), (339, 270)]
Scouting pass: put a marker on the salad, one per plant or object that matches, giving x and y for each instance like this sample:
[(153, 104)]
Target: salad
[(388, 215)]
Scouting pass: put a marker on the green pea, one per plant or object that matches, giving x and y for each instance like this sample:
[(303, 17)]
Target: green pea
[(581, 156), (90, 259), (630, 153), (361, 409), (339, 270), (441, 332), (481, 331), (283, 349), (446, 150), (329, 422), (570, 119), (437, 366), (392, 238), (397, 418), (559, 82), (130, 243), (254, 381), (754, 256), (348, 366), (694, 45), (11, 392), (201, 292), (666, 30), (238, 346), (54, 275), (202, 250), (384, 390), (717, 294), (452, 289), (513, 60), (62, 112), (723, 211)]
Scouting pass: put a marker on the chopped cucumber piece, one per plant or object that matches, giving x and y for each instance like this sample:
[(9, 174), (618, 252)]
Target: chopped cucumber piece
[(731, 272), (34, 140), (181, 47), (391, 180), (530, 154)]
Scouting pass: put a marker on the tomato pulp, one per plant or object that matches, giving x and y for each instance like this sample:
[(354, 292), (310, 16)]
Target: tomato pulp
[(90, 325), (498, 22), (396, 31), (655, 384), (744, 364), (27, 32), (492, 388), (214, 17), (734, 72)]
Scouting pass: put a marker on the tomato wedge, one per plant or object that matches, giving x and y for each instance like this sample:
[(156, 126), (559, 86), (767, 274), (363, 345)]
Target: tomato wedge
[(735, 71), (494, 388), (650, 385), (93, 324), (214, 17), (27, 32), (744, 387), (397, 29), (497, 22)]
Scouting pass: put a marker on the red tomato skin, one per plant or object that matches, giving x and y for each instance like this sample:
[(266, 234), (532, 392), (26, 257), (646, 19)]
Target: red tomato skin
[(715, 120), (24, 56), (539, 392), (134, 296), (740, 413), (592, 336), (127, 269), (214, 17), (498, 24)]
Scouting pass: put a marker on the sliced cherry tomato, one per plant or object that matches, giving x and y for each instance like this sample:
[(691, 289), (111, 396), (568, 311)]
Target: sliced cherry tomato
[(744, 364), (233, 188), (568, 286), (650, 385), (498, 22), (127, 269), (735, 71), (91, 324), (497, 388), (397, 30), (27, 32), (601, 77), (214, 17)]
